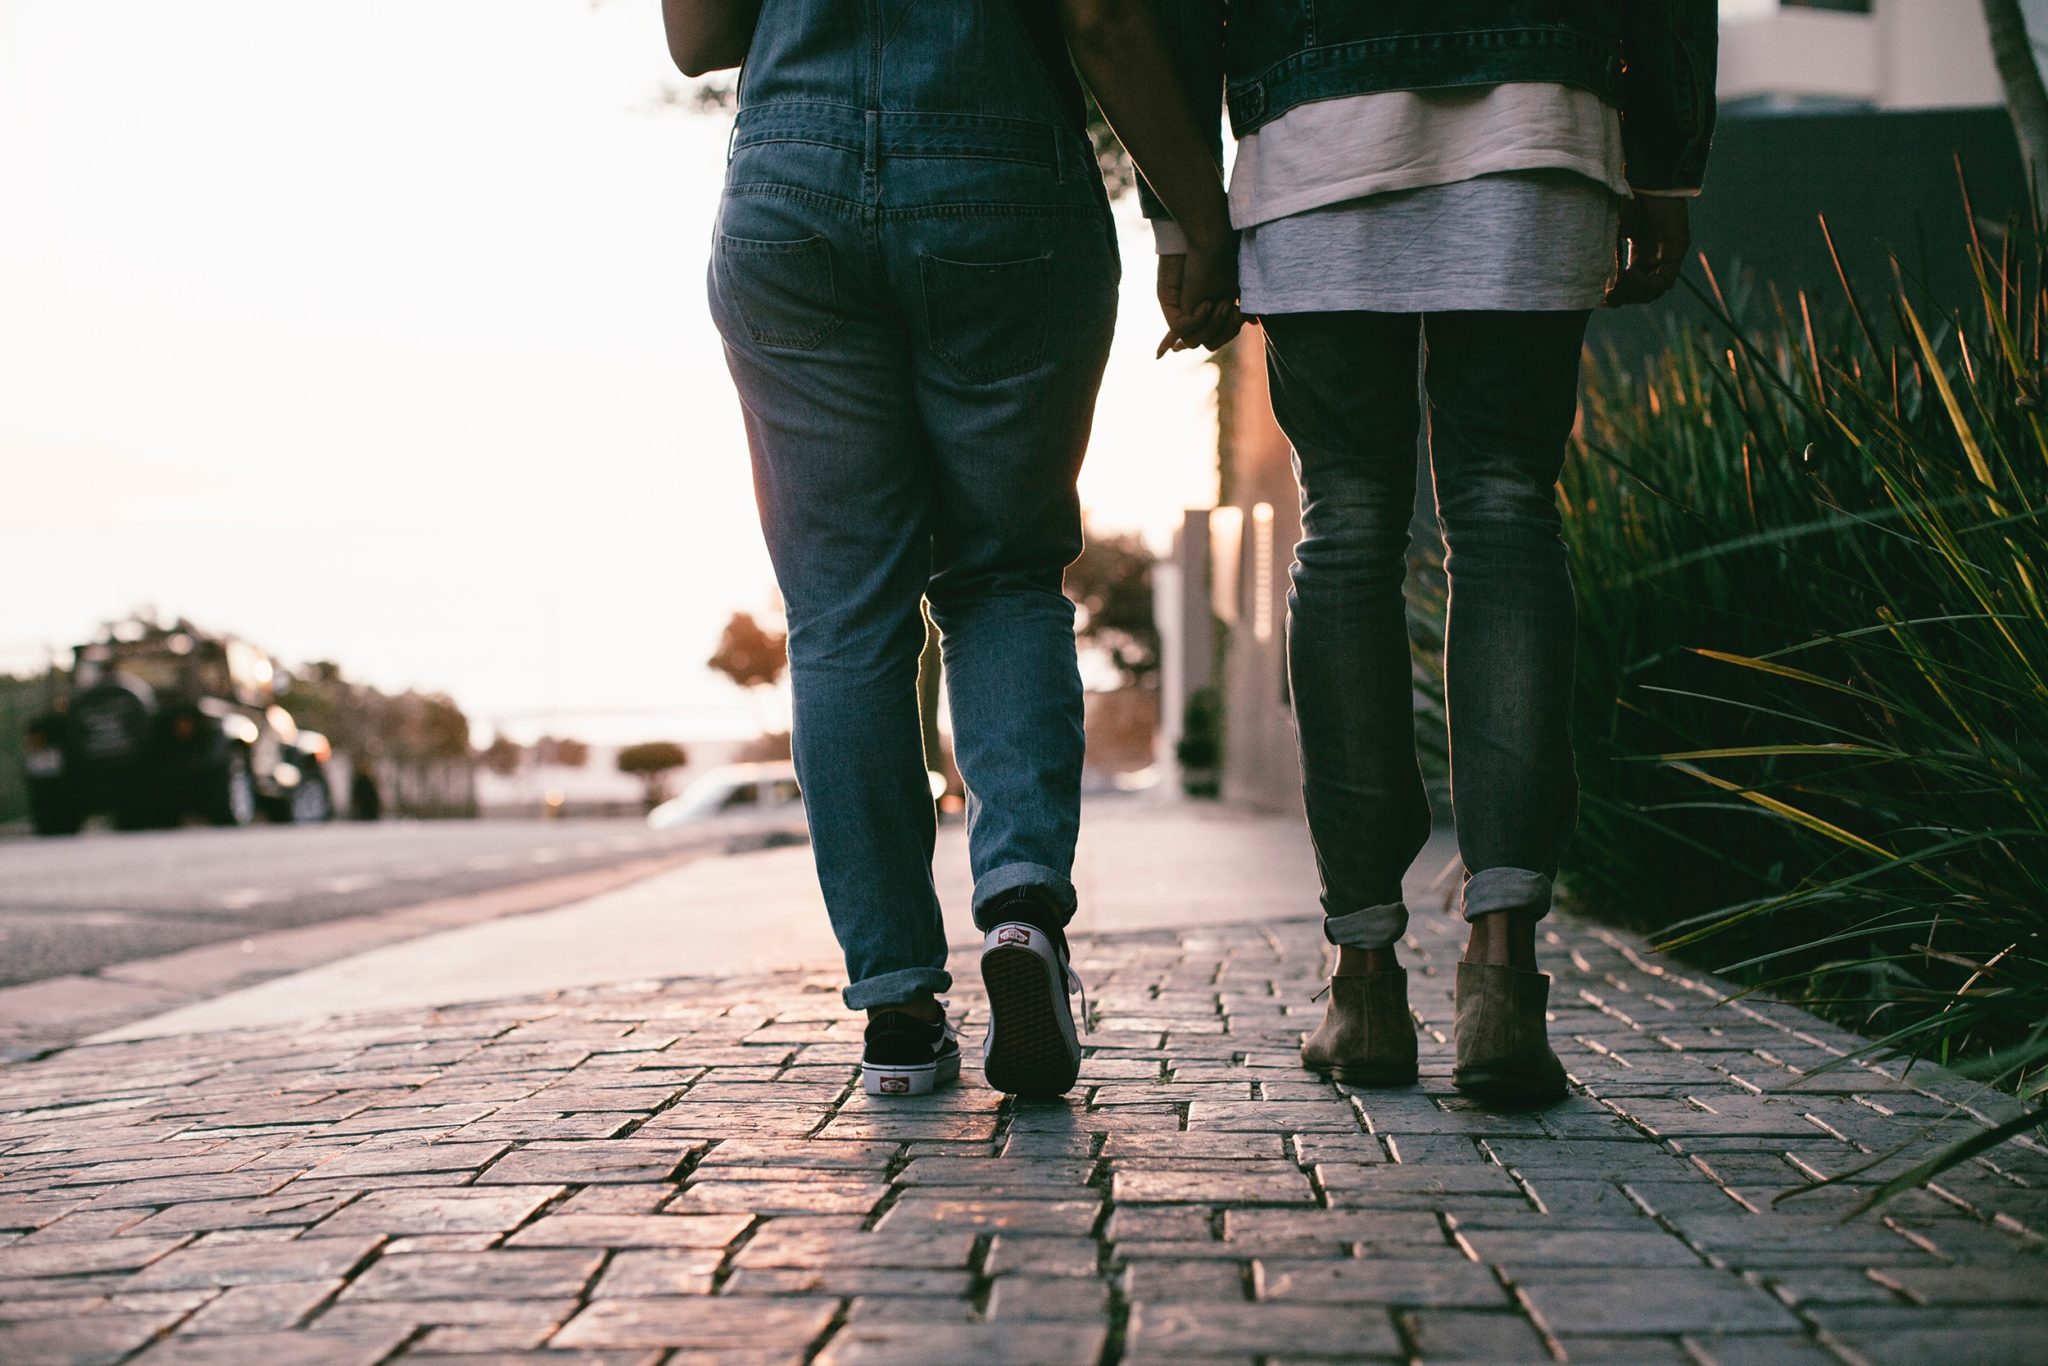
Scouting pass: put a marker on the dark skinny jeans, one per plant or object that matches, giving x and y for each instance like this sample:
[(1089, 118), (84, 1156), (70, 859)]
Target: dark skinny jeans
[(1502, 391)]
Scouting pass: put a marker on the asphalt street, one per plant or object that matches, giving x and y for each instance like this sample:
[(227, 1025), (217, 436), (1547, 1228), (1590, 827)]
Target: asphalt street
[(75, 905)]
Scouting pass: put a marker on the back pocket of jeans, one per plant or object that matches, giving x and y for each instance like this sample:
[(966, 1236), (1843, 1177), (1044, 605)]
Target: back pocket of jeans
[(987, 320), (782, 291)]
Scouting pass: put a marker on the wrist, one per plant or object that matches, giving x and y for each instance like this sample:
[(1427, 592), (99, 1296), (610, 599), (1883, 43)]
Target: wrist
[(1209, 237), (1206, 222)]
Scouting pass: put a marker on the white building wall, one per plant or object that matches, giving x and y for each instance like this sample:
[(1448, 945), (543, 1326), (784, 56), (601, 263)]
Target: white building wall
[(1905, 54), (1935, 54), (1799, 54)]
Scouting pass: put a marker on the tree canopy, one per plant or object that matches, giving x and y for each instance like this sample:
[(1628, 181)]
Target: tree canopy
[(749, 654), (1111, 584), (651, 762)]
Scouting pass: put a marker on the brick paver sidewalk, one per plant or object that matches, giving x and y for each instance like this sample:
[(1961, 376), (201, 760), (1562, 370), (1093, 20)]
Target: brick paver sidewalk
[(687, 1172)]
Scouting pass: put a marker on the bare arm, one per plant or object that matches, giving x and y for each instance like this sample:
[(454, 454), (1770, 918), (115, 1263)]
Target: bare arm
[(1122, 55), (709, 35)]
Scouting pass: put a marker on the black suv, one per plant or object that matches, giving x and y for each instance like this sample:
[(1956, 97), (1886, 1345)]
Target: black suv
[(161, 722)]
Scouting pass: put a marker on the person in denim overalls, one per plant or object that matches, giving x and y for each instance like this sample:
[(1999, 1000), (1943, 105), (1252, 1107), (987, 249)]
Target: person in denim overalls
[(915, 275)]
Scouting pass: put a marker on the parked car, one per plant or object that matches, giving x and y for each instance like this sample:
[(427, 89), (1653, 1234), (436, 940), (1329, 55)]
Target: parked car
[(737, 794), (746, 796), (159, 723)]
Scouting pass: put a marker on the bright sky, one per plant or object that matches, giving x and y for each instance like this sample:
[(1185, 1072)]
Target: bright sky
[(375, 331)]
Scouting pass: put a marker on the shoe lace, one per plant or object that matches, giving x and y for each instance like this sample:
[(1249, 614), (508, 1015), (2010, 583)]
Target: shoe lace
[(1074, 984)]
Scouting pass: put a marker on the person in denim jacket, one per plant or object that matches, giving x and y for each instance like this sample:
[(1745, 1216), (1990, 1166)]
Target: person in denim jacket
[(1470, 179), (915, 277)]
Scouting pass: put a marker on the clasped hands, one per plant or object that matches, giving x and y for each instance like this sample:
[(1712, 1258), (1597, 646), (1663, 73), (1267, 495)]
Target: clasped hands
[(1198, 296)]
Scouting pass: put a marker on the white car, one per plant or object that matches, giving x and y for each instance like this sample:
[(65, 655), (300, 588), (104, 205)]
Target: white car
[(746, 796), (737, 794)]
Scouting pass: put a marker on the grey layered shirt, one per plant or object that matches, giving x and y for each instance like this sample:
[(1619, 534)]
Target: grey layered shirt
[(1477, 197)]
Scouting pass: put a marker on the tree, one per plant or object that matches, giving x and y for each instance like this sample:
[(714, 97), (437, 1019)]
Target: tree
[(2026, 99), (652, 762), (766, 748), (752, 656), (432, 725), (415, 746), (560, 751), (1111, 584), (749, 654), (503, 757)]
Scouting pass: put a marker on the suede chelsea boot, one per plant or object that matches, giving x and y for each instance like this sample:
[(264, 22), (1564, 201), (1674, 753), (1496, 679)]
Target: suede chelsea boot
[(1503, 1044), (1367, 1037)]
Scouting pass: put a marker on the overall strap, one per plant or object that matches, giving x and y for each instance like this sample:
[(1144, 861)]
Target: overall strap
[(1042, 27)]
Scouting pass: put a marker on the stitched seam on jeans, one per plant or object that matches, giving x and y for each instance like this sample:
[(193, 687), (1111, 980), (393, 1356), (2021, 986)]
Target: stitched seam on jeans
[(991, 210), (852, 207)]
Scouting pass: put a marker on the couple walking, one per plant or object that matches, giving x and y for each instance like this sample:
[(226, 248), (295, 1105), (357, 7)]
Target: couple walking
[(915, 275)]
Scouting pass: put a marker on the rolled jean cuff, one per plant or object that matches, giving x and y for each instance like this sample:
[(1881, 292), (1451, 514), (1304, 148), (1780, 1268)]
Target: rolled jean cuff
[(1375, 927), (996, 881), (896, 988), (1493, 890)]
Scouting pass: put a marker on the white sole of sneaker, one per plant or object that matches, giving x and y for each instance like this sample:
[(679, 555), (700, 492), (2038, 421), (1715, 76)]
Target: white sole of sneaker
[(1031, 1048), (878, 1080)]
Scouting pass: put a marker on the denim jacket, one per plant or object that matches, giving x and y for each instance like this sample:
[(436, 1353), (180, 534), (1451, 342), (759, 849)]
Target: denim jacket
[(1651, 59)]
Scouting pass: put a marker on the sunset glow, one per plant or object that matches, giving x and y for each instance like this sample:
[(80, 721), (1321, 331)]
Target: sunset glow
[(399, 357)]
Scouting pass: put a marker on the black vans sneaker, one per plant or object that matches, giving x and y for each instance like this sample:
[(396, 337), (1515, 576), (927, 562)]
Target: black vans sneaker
[(907, 1057), (1031, 1049)]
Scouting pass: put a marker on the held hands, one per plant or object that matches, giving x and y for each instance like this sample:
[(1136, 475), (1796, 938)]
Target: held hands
[(1656, 234), (1198, 295)]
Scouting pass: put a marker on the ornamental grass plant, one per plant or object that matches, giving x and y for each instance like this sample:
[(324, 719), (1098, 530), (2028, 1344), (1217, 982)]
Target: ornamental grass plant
[(1812, 715)]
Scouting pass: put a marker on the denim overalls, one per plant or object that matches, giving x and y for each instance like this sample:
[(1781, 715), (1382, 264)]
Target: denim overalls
[(915, 276)]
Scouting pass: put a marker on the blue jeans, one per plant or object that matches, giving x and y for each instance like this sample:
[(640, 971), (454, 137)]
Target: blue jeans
[(917, 340), (1502, 391)]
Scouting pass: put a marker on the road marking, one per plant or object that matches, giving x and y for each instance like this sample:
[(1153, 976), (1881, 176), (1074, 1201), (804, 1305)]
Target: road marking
[(546, 856), (243, 898), (341, 886)]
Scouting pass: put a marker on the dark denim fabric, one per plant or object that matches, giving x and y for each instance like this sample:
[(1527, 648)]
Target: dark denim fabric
[(915, 276), (1654, 60), (1502, 389)]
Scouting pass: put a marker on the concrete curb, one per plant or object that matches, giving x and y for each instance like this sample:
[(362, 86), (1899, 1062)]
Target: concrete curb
[(36, 1017)]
